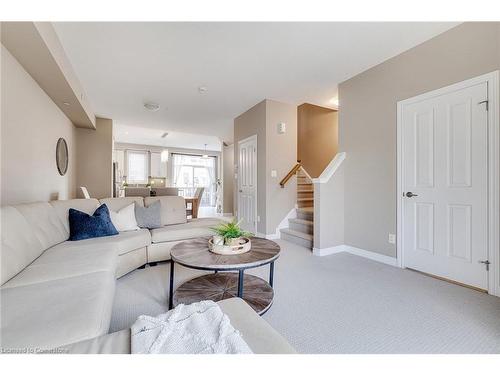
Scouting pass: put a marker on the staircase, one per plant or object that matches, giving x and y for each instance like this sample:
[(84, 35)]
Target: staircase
[(300, 229)]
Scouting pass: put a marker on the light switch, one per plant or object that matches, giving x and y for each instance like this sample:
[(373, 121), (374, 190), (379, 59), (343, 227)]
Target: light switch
[(274, 173), (281, 128), (392, 238)]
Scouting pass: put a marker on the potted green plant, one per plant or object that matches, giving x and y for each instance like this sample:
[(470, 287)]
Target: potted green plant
[(230, 233)]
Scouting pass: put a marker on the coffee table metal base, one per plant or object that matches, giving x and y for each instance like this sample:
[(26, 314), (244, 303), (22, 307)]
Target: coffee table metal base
[(222, 285)]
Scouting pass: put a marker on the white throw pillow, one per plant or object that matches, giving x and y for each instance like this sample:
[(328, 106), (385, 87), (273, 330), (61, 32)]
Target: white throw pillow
[(124, 220)]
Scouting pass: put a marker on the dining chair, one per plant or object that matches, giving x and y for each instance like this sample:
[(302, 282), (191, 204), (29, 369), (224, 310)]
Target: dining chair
[(85, 192), (195, 206), (137, 192), (163, 191)]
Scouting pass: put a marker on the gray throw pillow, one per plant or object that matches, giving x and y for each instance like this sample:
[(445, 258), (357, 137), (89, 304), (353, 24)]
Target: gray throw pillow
[(148, 217)]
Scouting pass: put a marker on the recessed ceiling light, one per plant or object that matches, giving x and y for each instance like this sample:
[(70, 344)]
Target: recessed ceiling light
[(202, 89), (153, 107)]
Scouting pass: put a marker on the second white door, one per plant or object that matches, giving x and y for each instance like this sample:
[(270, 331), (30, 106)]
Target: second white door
[(445, 182), (247, 183)]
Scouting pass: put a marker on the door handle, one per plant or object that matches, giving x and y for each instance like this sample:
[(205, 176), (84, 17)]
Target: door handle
[(410, 195)]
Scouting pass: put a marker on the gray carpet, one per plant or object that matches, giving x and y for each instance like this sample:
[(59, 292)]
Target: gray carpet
[(345, 304)]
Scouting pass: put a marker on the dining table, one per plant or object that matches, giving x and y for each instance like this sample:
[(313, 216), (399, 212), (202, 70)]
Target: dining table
[(194, 205)]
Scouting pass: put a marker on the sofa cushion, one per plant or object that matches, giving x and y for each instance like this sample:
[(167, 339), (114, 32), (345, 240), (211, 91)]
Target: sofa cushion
[(116, 204), (83, 226), (45, 223), (149, 217), (192, 229), (173, 209), (19, 245), (121, 243), (55, 313), (62, 208), (124, 219), (257, 333), (60, 262)]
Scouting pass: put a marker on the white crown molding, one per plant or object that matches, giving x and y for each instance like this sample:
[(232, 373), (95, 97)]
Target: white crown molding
[(330, 169)]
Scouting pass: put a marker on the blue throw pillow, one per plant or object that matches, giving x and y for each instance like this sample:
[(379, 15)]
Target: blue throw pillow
[(83, 226)]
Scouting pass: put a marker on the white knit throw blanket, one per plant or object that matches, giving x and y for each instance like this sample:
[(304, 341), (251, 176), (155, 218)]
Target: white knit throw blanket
[(198, 328)]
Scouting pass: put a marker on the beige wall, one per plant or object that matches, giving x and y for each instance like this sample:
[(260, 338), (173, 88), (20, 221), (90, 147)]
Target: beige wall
[(317, 141), (274, 152), (253, 122), (329, 211), (367, 122), (228, 178), (281, 156), (95, 159), (31, 124)]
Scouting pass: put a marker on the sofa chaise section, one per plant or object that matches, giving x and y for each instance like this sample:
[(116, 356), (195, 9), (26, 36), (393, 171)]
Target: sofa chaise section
[(49, 314), (256, 332)]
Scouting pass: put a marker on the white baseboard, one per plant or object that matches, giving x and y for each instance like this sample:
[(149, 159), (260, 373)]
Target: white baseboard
[(329, 250), (272, 236), (356, 251)]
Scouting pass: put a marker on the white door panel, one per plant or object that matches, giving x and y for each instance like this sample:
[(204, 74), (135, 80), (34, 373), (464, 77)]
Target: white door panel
[(247, 184), (445, 164)]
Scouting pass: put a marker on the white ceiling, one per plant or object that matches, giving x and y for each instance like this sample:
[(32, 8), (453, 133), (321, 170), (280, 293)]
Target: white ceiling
[(152, 136), (122, 65)]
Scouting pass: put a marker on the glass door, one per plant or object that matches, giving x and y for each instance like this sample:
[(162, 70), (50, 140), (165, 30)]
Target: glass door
[(193, 171)]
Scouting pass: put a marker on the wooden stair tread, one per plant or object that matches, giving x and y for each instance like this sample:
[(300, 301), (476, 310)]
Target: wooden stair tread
[(304, 199), (291, 232), (301, 221), (306, 210)]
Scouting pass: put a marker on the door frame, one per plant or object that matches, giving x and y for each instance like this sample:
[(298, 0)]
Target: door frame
[(252, 137), (492, 79)]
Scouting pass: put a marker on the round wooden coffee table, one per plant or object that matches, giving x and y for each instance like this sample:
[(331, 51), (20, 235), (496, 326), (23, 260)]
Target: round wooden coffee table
[(222, 284)]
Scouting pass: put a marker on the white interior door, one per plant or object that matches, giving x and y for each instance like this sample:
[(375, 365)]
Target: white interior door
[(445, 185), (247, 183)]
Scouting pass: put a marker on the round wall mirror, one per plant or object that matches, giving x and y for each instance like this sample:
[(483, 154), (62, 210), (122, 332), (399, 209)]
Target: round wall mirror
[(62, 156)]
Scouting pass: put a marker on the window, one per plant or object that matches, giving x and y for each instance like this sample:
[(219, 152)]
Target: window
[(137, 167), (192, 171)]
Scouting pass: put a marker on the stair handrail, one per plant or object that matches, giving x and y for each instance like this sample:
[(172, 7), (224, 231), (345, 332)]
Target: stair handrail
[(289, 175)]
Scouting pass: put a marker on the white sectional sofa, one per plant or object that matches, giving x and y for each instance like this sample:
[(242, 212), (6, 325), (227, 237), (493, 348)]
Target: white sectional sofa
[(56, 292)]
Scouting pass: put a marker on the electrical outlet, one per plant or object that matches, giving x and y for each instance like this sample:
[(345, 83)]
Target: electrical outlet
[(274, 173), (392, 238)]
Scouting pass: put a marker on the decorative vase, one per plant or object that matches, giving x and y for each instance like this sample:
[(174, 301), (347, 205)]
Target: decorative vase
[(218, 240)]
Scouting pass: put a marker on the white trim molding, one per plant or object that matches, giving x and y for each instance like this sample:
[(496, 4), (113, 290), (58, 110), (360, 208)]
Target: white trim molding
[(330, 169), (305, 172), (391, 261), (492, 79), (283, 224)]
